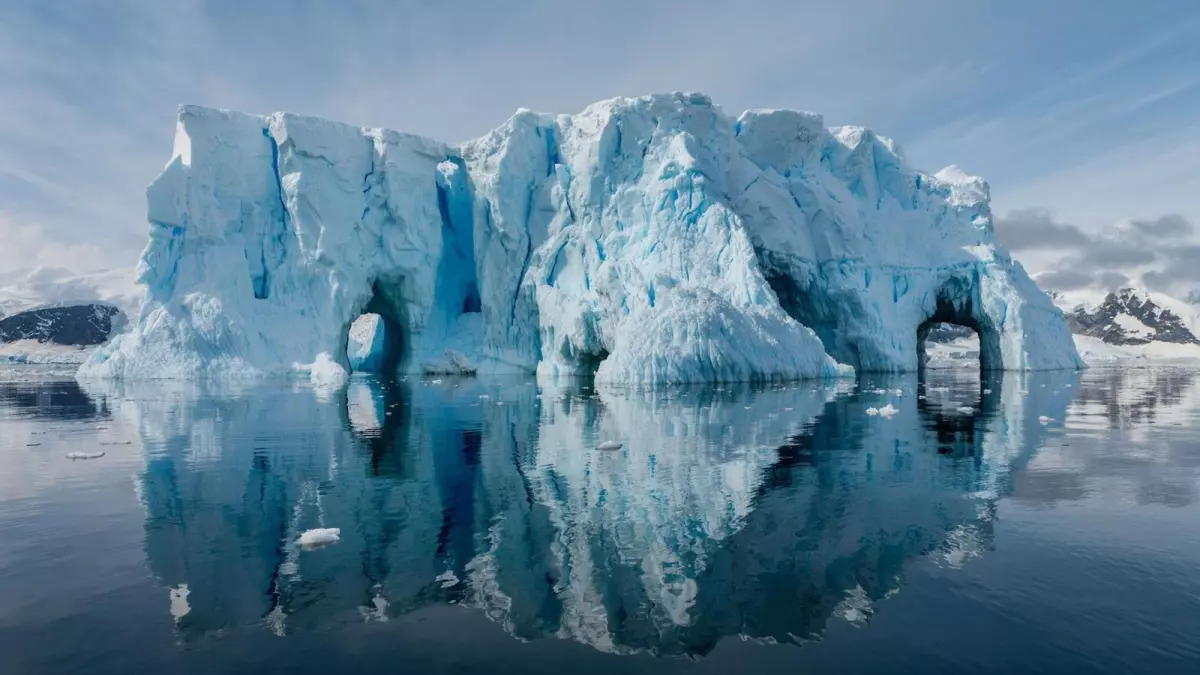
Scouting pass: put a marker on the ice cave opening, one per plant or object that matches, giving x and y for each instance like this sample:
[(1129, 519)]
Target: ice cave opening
[(959, 332), (377, 341), (948, 345)]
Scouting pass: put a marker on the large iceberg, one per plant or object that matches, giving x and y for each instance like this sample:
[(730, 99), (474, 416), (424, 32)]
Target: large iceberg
[(650, 239)]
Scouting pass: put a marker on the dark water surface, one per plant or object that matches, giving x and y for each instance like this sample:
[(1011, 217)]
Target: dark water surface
[(1052, 528)]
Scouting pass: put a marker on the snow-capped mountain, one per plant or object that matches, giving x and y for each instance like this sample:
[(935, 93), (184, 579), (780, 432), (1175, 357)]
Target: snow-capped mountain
[(79, 325), (1135, 317), (51, 315)]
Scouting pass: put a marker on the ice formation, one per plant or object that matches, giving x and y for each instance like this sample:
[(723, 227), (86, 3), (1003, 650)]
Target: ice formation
[(320, 536), (650, 239)]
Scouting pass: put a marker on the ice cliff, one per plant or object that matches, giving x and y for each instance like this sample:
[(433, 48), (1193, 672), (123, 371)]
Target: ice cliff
[(648, 239)]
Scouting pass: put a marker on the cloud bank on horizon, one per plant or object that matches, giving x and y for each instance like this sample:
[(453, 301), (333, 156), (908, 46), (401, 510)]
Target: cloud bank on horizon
[(1080, 113)]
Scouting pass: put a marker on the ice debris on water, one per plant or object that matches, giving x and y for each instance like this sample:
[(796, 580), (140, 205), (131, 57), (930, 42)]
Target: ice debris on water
[(965, 409), (84, 455), (1045, 420), (885, 411), (447, 579), (610, 445), (320, 536)]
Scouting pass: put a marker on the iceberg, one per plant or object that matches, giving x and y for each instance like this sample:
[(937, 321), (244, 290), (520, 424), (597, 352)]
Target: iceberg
[(643, 240)]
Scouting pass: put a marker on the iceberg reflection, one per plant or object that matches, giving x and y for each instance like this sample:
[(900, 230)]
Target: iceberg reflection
[(736, 511)]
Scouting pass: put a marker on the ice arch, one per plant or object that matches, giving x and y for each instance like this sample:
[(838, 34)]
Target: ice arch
[(646, 240)]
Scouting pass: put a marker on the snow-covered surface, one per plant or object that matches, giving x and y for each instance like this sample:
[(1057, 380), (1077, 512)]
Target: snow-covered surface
[(651, 239), (34, 352), (1094, 351), (364, 347), (1133, 326), (51, 286)]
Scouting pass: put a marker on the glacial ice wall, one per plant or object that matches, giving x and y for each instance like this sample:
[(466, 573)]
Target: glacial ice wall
[(653, 239)]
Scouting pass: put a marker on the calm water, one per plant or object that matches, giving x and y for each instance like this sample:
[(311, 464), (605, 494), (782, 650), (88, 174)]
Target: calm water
[(1053, 528)]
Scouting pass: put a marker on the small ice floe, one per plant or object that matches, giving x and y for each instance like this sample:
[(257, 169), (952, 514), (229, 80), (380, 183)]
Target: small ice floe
[(897, 392), (447, 579), (484, 396), (321, 536), (1045, 420), (746, 407), (965, 409), (987, 391), (872, 411), (437, 381), (879, 391), (84, 455), (610, 445), (788, 409), (887, 411), (179, 602)]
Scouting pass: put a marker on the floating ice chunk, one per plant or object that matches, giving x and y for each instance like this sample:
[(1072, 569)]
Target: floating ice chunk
[(609, 445), (872, 411), (879, 391), (84, 455), (327, 373), (179, 602), (965, 409), (888, 411), (987, 391), (321, 536), (447, 579), (1045, 420), (897, 392), (437, 381)]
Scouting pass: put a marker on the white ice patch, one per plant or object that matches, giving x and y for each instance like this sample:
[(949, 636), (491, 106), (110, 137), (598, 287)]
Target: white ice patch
[(179, 602), (84, 455), (317, 537), (609, 445)]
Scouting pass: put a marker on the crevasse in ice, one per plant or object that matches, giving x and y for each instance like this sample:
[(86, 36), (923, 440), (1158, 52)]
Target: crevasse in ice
[(650, 239)]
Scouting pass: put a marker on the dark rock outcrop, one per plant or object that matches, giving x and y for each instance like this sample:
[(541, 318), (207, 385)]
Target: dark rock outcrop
[(87, 324)]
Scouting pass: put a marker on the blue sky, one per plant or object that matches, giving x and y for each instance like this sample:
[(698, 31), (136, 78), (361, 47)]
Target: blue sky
[(1086, 110)]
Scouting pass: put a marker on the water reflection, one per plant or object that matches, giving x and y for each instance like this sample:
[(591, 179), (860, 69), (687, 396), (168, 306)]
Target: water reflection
[(733, 511), (61, 400), (1132, 436)]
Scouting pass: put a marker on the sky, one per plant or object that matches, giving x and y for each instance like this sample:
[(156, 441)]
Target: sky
[(1083, 115)]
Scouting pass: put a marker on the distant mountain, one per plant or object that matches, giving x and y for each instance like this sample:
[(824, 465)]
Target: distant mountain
[(948, 332), (1135, 317), (78, 325)]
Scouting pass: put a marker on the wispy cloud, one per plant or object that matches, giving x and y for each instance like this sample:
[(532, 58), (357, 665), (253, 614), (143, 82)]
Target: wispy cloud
[(1160, 253)]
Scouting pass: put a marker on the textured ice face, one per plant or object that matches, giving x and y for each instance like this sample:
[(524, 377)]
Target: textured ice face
[(644, 240)]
